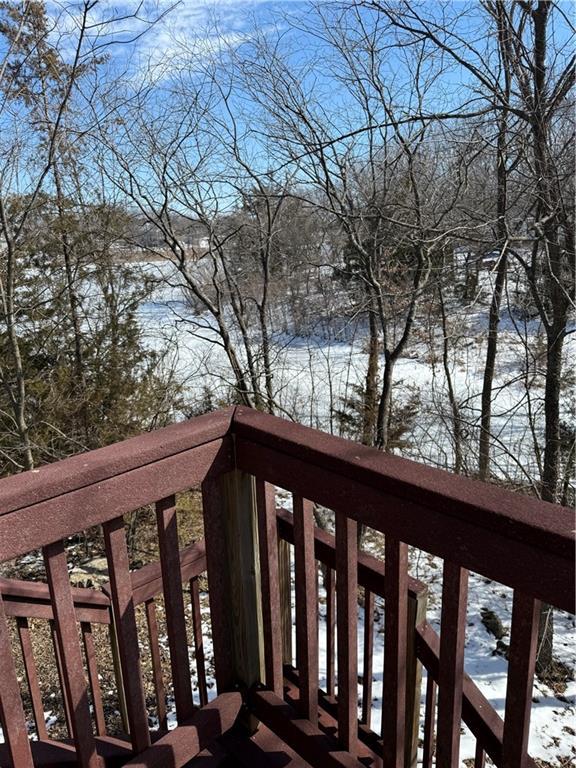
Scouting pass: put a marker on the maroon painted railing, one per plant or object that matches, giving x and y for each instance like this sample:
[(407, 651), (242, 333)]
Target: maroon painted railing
[(237, 457)]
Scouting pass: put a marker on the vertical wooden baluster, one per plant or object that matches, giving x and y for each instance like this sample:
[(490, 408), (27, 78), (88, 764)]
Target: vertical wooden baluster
[(158, 678), (417, 604), (92, 667), (479, 757), (126, 631), (70, 654), (429, 719), (271, 621), (31, 676), (11, 709), (451, 671), (330, 630), (113, 637), (396, 617), (198, 640), (368, 657), (285, 578), (347, 630), (306, 607), (59, 669), (521, 666), (174, 606)]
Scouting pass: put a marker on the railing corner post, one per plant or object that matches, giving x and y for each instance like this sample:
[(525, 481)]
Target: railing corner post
[(231, 532), (417, 603)]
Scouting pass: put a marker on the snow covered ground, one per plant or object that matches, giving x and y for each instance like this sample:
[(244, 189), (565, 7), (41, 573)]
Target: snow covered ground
[(311, 377)]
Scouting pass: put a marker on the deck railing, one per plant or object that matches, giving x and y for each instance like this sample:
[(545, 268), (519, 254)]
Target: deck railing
[(237, 457)]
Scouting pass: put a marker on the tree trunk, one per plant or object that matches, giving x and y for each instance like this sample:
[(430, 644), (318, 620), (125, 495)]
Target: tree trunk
[(369, 406), (454, 407), (17, 395), (385, 404), (489, 369)]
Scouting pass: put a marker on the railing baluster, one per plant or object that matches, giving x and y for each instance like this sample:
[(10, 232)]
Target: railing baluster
[(429, 720), (198, 640), (157, 676), (92, 667), (394, 688), (521, 666), (174, 606), (330, 631), (306, 607), (368, 657), (31, 676), (11, 709), (71, 654), (271, 620), (451, 669), (417, 605), (59, 668), (126, 631), (347, 630), (479, 756), (285, 578)]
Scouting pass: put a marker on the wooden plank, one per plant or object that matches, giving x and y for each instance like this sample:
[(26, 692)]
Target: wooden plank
[(11, 710), (91, 664), (167, 524), (269, 570), (32, 676), (126, 631), (31, 600), (52, 480), (71, 654), (157, 676), (521, 666), (56, 754), (396, 616), (198, 640), (316, 747), (96, 504), (367, 666), (147, 580), (306, 607), (451, 673), (347, 630), (330, 631), (429, 721), (328, 719), (176, 748)]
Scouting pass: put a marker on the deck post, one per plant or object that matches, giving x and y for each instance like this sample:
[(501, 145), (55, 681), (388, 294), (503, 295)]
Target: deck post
[(417, 602), (231, 529)]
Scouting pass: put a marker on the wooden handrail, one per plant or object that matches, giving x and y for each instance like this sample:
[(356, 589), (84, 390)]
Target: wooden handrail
[(481, 526)]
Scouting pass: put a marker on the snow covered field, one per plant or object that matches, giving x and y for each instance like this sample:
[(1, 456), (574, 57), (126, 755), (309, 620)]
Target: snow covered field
[(311, 377)]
